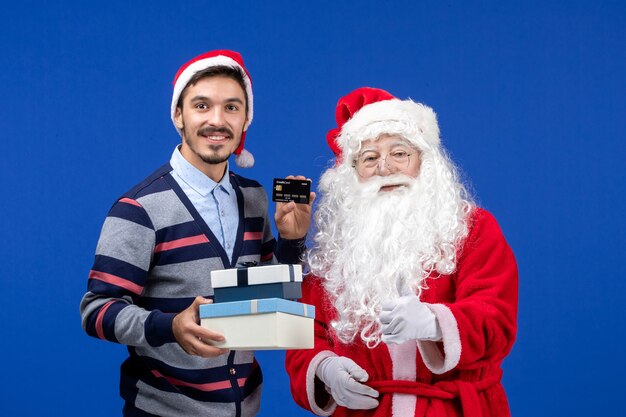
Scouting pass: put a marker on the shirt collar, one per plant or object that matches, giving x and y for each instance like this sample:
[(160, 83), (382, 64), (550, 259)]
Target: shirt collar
[(195, 178)]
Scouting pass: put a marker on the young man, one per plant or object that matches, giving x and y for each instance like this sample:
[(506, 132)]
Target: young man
[(415, 287), (161, 240)]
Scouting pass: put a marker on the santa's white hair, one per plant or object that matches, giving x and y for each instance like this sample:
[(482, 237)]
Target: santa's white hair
[(372, 246)]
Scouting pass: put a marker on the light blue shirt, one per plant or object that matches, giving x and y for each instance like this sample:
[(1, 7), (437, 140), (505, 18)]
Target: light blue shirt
[(215, 201)]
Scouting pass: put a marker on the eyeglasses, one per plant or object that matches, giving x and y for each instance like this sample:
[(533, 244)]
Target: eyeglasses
[(369, 161)]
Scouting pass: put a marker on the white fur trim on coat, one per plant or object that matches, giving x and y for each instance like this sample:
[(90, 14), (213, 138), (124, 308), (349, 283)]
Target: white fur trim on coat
[(451, 338), (403, 359), (310, 385)]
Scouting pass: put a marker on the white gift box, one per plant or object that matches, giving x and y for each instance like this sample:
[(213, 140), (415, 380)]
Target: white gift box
[(265, 324), (269, 274)]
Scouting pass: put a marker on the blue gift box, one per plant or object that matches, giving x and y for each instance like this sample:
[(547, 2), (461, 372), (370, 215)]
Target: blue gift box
[(270, 323), (264, 305)]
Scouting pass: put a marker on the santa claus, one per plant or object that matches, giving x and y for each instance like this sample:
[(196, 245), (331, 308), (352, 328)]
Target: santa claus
[(415, 287)]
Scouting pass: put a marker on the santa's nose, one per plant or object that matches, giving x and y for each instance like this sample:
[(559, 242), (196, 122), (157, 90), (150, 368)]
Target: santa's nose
[(383, 168)]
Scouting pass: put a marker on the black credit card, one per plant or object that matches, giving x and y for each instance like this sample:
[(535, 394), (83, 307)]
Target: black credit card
[(286, 190)]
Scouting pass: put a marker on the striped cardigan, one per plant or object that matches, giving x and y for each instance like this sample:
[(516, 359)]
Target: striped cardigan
[(154, 256)]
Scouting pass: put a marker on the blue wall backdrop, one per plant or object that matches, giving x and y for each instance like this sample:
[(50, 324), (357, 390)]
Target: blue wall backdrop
[(531, 103)]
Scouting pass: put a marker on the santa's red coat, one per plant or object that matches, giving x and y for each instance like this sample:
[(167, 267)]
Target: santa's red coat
[(476, 308)]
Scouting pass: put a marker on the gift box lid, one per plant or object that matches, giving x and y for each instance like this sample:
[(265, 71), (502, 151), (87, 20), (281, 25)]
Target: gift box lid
[(261, 306), (267, 274)]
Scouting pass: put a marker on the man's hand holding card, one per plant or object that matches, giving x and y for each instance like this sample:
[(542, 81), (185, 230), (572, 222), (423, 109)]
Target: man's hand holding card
[(293, 206)]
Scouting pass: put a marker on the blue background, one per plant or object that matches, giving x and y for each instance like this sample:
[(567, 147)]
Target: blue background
[(530, 100)]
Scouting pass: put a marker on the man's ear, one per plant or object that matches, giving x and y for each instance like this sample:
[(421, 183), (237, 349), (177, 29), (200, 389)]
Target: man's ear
[(178, 118), (246, 124)]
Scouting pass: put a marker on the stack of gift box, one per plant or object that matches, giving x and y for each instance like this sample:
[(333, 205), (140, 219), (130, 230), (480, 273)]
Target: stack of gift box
[(255, 309)]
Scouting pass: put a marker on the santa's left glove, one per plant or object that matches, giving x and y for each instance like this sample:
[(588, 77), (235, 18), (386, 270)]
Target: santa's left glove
[(344, 381), (407, 318)]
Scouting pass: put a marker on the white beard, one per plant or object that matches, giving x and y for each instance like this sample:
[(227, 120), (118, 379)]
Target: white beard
[(374, 246)]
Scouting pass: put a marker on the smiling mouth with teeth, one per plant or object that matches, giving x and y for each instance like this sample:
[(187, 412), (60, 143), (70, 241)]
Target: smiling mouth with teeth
[(215, 135), (217, 138)]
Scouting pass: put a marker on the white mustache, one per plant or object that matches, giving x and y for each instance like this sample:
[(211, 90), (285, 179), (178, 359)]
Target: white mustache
[(374, 184)]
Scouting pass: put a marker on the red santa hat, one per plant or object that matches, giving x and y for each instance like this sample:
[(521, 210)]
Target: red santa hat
[(367, 112), (243, 158)]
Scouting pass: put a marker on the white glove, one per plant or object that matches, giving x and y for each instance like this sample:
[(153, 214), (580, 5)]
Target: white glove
[(407, 318), (340, 374)]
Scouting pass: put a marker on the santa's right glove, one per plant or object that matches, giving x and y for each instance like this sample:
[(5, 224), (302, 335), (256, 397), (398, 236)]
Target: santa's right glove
[(343, 380), (407, 318)]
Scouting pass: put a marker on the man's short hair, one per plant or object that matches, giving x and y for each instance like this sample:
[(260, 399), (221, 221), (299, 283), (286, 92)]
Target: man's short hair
[(217, 71)]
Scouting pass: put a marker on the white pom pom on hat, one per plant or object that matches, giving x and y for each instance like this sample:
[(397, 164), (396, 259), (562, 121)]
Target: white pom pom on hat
[(243, 158)]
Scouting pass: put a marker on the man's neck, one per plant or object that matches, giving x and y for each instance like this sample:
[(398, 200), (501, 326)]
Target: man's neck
[(214, 171)]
